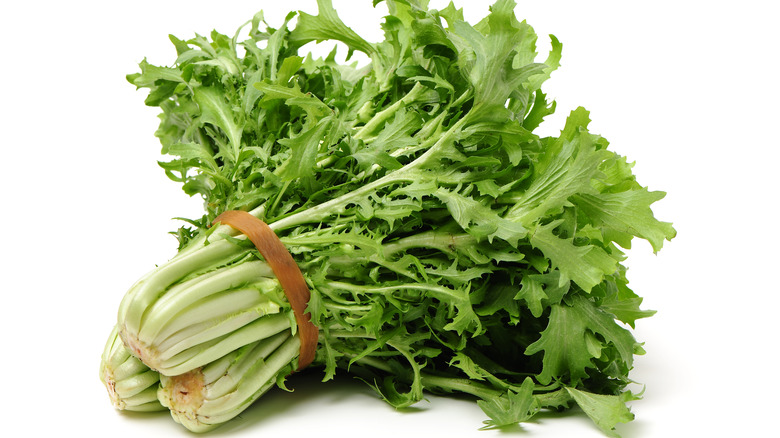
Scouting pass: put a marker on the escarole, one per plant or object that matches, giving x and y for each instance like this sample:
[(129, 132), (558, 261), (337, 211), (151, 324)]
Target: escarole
[(445, 246)]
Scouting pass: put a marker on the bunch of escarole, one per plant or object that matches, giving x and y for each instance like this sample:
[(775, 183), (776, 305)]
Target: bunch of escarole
[(400, 222)]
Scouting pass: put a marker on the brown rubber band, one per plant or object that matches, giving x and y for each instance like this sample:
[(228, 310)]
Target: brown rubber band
[(287, 272)]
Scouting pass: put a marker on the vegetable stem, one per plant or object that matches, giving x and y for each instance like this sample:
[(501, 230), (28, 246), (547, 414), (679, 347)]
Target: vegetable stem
[(338, 205)]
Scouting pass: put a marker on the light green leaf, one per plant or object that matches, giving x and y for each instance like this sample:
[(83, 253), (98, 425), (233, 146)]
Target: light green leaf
[(563, 343), (621, 301), (293, 96), (551, 64), (572, 166), (195, 151), (304, 149), (152, 73), (252, 93), (480, 220), (605, 410), (540, 109), (394, 137), (585, 265), (216, 111), (532, 293), (466, 364), (498, 56), (566, 348), (327, 26), (512, 407), (627, 213)]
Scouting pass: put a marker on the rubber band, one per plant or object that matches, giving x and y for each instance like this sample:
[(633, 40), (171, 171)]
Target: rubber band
[(287, 272)]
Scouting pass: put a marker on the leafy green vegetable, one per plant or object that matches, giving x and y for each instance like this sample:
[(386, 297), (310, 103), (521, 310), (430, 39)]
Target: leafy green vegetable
[(448, 248)]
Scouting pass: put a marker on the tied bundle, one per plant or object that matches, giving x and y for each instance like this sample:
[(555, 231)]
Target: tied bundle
[(443, 244)]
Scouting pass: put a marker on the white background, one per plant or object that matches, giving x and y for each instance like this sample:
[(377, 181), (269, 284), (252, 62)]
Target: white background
[(687, 89)]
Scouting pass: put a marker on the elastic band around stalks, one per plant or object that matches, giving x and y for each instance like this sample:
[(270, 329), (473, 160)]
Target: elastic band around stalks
[(287, 272)]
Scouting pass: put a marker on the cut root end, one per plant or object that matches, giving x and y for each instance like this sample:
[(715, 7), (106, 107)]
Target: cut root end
[(110, 383), (141, 351), (184, 396), (186, 390)]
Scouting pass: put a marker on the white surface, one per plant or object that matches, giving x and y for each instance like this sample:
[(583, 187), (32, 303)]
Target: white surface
[(689, 90)]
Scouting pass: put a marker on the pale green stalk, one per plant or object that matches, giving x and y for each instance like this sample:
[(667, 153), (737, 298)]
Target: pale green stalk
[(131, 385), (441, 240), (144, 292), (365, 131), (205, 397), (440, 292), (389, 112), (201, 306), (205, 352), (203, 289), (408, 173)]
